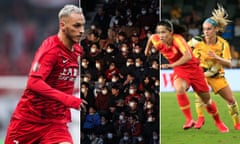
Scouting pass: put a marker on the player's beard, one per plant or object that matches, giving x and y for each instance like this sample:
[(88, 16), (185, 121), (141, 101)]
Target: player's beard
[(72, 38)]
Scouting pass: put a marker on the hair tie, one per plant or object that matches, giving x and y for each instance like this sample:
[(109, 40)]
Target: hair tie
[(211, 21)]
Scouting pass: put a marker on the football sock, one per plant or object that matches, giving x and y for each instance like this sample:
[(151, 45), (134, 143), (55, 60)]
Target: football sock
[(184, 105), (212, 109), (234, 112), (199, 105)]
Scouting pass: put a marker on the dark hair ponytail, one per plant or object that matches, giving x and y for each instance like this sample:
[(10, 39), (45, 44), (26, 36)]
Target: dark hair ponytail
[(173, 27)]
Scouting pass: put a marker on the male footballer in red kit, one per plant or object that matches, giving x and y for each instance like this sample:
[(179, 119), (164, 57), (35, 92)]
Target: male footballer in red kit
[(43, 111)]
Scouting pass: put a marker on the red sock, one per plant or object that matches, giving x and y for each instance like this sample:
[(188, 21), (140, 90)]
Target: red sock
[(184, 105), (212, 109)]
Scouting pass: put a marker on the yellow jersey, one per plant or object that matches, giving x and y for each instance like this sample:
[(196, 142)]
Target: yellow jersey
[(200, 50)]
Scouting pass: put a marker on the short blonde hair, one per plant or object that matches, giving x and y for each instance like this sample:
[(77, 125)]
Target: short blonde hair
[(68, 9)]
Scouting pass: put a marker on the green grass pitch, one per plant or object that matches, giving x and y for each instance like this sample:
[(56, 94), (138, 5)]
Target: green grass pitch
[(172, 120)]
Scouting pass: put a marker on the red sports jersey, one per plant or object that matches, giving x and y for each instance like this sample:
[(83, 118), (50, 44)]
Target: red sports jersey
[(48, 95), (190, 71), (174, 52)]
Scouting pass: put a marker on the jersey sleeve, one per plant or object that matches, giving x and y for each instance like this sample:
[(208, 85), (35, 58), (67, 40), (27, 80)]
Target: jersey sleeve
[(39, 86), (226, 51), (181, 43)]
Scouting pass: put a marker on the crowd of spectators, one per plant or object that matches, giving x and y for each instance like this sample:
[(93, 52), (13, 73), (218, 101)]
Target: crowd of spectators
[(120, 84)]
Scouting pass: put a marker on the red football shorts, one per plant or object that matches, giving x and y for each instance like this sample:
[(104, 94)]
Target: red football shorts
[(23, 132), (194, 77)]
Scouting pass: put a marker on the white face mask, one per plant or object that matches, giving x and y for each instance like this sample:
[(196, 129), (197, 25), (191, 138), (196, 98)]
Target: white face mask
[(125, 138), (84, 64), (104, 92), (100, 80), (114, 80), (140, 139), (143, 12), (110, 135), (109, 50), (121, 117), (130, 23), (137, 64), (98, 65), (149, 106), (128, 64), (93, 50), (131, 91), (137, 51), (85, 79), (150, 119), (83, 90), (124, 49), (131, 104)]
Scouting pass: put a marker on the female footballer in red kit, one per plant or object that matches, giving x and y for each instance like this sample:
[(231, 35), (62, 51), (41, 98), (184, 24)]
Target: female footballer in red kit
[(187, 71), (43, 111)]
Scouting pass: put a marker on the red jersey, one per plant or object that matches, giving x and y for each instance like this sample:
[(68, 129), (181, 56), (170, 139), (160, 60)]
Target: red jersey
[(48, 95), (174, 52)]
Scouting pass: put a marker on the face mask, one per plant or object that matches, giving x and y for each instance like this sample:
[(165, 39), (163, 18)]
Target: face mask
[(100, 80), (128, 64), (150, 119), (116, 22), (98, 65), (130, 23), (110, 135), (123, 49), (84, 64), (146, 94), (137, 64), (131, 104), (93, 50), (114, 79), (93, 27), (103, 123), (131, 91), (149, 106), (143, 12), (109, 50), (121, 117), (137, 51), (83, 90), (125, 138), (139, 139), (104, 92), (85, 79)]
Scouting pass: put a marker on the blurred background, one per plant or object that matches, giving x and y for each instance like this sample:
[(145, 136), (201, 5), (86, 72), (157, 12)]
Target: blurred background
[(24, 24)]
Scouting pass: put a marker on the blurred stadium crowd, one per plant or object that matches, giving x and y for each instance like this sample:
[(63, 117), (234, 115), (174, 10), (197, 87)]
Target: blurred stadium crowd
[(120, 84)]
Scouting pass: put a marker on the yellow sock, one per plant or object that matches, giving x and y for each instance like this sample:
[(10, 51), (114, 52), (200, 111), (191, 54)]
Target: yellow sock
[(234, 112), (199, 105)]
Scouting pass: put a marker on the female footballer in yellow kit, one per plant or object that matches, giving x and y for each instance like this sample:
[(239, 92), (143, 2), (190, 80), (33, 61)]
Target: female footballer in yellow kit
[(214, 54)]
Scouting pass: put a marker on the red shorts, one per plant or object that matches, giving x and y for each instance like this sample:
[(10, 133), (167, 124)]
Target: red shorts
[(23, 132), (194, 77)]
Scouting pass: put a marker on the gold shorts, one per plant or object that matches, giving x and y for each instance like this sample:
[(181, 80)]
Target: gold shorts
[(217, 83)]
